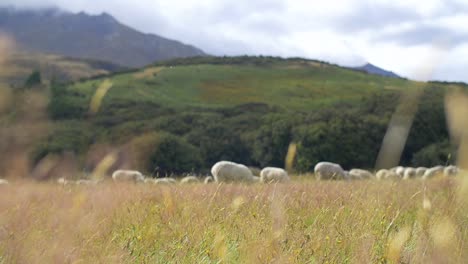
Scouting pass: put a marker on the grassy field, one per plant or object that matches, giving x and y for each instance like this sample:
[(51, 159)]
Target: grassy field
[(305, 86), (301, 222)]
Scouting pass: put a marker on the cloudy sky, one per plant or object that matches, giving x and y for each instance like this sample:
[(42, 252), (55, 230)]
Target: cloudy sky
[(416, 39)]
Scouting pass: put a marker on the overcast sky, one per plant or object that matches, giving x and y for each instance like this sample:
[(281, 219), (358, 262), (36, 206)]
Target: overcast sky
[(416, 39)]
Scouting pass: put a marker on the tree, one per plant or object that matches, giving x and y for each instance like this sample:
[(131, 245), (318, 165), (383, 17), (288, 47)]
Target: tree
[(34, 80)]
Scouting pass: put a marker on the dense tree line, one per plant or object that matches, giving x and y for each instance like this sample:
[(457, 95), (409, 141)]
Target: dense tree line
[(168, 141)]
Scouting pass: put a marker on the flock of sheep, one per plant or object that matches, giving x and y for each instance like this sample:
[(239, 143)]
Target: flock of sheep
[(231, 172), (329, 171)]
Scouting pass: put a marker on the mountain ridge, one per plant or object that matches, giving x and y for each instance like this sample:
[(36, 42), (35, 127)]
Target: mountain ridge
[(372, 69), (81, 35)]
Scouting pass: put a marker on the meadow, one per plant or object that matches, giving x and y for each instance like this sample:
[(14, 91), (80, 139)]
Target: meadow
[(305, 221)]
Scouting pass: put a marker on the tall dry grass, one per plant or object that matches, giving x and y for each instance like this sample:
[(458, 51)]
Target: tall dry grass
[(301, 222)]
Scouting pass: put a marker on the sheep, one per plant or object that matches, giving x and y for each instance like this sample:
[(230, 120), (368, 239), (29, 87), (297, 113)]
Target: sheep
[(128, 175), (149, 181), (63, 181), (189, 180), (420, 171), (400, 171), (271, 174), (165, 181), (4, 182), (432, 172), (386, 175), (450, 171), (255, 171), (86, 182), (409, 173), (229, 172), (208, 179), (256, 179), (358, 174), (329, 171)]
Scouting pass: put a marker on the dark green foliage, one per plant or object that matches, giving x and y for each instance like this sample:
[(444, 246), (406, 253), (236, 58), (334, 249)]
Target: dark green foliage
[(34, 80), (271, 143), (70, 137), (429, 125), (348, 140), (65, 104), (441, 153), (174, 155)]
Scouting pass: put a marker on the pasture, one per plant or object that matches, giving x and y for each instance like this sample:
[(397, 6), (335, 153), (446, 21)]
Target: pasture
[(305, 221)]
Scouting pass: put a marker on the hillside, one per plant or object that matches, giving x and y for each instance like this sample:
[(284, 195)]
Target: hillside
[(190, 113), (19, 65), (81, 35)]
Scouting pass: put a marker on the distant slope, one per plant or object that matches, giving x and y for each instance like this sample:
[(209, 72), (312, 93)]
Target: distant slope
[(294, 84), (372, 69), (20, 65), (85, 36)]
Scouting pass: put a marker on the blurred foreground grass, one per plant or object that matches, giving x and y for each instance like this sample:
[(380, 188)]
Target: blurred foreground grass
[(301, 222)]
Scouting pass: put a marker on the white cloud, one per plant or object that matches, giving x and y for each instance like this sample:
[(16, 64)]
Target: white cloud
[(399, 35)]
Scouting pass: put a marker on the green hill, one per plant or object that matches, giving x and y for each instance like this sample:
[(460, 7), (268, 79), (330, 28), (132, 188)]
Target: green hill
[(247, 109), (289, 84)]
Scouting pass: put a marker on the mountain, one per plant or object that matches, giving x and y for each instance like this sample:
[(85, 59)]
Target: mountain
[(97, 37), (372, 69)]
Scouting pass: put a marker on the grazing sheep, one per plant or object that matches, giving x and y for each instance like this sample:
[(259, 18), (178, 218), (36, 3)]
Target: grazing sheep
[(387, 175), (255, 171), (86, 182), (208, 179), (329, 171), (400, 171), (256, 179), (4, 182), (358, 174), (409, 173), (270, 175), (165, 181), (227, 171), (450, 171), (63, 181), (189, 180), (432, 172), (149, 181), (128, 175), (420, 171)]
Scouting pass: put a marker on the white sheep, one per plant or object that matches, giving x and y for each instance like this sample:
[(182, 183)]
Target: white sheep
[(451, 171), (255, 171), (149, 181), (165, 181), (189, 180), (420, 171), (229, 172), (359, 174), (409, 173), (4, 182), (400, 171), (329, 171), (386, 175), (433, 172), (128, 175), (63, 181), (255, 179), (271, 174), (208, 179)]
